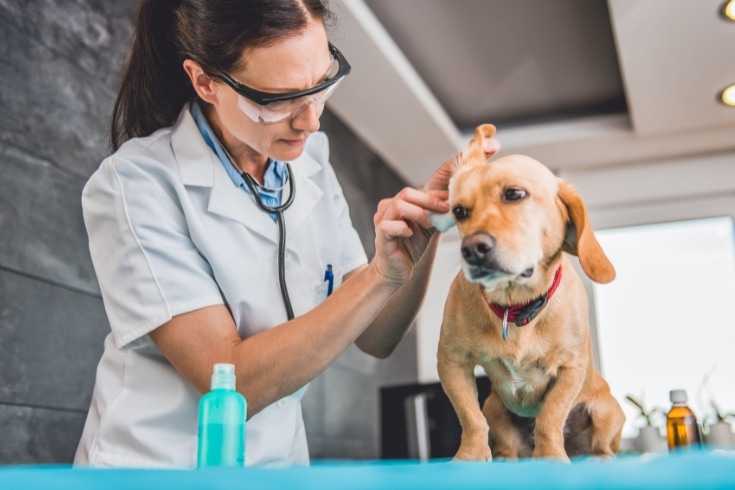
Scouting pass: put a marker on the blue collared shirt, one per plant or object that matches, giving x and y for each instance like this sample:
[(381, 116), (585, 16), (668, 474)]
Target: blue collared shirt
[(275, 174)]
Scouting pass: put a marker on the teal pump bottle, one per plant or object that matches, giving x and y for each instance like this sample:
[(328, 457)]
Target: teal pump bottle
[(222, 414)]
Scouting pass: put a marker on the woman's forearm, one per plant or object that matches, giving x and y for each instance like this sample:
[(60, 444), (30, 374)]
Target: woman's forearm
[(390, 326)]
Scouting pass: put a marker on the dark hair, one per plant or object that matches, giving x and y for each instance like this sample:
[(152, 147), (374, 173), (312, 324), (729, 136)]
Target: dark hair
[(213, 33)]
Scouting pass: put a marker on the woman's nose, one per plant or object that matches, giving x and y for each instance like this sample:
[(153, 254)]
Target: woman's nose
[(308, 119)]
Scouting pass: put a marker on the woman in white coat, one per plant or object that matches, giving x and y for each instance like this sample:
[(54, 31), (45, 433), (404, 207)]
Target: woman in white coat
[(214, 131)]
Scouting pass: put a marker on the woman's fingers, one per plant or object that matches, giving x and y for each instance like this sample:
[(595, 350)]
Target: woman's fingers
[(412, 205), (388, 231), (401, 235)]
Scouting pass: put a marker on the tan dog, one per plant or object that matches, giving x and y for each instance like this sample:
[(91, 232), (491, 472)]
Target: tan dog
[(517, 221)]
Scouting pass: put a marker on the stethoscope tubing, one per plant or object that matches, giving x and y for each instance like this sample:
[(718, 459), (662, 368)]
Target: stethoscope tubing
[(255, 187)]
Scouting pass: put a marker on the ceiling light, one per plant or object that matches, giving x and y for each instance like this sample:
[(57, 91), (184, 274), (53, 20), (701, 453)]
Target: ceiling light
[(728, 10), (728, 96)]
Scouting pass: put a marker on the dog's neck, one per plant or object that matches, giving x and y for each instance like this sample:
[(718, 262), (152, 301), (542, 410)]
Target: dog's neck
[(523, 314)]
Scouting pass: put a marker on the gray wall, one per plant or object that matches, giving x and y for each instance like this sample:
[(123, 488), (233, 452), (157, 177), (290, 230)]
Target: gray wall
[(59, 61)]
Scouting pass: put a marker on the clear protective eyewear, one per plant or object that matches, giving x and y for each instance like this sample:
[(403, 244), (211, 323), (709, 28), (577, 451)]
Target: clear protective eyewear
[(271, 108)]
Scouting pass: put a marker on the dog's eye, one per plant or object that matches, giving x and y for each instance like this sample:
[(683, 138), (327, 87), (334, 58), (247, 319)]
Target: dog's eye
[(460, 213), (514, 194)]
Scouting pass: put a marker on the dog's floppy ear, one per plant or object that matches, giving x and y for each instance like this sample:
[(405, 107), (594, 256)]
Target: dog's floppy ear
[(580, 239)]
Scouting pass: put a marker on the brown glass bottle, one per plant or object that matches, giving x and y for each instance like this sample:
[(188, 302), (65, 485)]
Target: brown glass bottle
[(682, 428)]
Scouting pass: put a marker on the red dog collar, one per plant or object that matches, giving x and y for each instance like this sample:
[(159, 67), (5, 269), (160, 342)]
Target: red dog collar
[(525, 313)]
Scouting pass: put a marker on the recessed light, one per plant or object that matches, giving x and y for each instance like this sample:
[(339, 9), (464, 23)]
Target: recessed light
[(727, 96), (728, 10)]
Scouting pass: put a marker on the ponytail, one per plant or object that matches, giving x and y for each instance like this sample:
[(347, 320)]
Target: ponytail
[(154, 84)]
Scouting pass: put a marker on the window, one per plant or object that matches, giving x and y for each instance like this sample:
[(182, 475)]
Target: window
[(668, 319)]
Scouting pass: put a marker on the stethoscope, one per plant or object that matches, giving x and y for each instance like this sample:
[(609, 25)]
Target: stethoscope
[(255, 189)]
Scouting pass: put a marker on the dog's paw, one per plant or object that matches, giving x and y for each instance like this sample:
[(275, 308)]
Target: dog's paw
[(442, 222), (560, 456), (473, 454), (603, 458)]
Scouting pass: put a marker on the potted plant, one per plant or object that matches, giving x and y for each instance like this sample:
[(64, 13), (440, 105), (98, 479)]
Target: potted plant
[(649, 439)]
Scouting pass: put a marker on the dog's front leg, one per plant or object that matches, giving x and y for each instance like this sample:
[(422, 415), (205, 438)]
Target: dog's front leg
[(459, 383), (549, 430)]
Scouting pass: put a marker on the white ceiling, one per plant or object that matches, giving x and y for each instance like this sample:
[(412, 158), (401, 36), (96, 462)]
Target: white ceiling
[(575, 83)]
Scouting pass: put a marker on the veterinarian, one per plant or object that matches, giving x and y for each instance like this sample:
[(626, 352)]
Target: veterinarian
[(213, 225)]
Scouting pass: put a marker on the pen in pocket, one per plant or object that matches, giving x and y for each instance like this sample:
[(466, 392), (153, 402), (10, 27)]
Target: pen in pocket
[(329, 279)]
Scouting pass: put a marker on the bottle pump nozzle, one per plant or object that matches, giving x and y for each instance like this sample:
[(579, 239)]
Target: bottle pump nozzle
[(223, 376)]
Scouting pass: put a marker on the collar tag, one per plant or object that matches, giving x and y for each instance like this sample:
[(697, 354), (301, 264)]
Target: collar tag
[(524, 314)]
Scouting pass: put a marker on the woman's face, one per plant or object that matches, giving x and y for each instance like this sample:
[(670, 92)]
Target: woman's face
[(295, 63)]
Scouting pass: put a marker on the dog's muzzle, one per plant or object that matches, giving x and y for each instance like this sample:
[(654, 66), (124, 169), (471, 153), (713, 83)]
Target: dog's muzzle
[(478, 254)]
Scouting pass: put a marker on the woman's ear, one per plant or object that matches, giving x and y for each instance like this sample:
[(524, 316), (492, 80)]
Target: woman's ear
[(202, 83)]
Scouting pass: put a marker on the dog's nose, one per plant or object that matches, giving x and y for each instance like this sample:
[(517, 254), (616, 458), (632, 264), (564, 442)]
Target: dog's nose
[(477, 247)]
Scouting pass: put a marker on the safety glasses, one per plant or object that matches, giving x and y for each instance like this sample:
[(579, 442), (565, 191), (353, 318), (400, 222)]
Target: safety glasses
[(269, 108)]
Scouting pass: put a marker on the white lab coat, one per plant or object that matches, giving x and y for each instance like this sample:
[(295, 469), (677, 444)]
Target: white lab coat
[(169, 233)]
